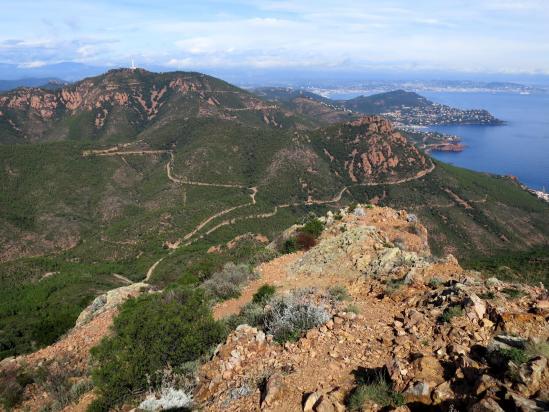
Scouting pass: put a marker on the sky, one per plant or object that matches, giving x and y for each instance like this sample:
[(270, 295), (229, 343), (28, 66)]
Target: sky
[(480, 36)]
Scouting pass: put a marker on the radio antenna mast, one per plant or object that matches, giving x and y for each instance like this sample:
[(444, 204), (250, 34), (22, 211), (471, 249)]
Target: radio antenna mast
[(133, 65)]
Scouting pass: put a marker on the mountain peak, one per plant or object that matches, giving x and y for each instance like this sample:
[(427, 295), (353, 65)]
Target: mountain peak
[(124, 102)]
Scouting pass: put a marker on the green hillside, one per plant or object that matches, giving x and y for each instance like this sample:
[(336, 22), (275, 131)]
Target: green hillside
[(118, 105), (385, 102), (79, 213)]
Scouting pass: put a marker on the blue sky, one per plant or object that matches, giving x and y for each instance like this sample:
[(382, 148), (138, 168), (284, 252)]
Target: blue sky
[(496, 36)]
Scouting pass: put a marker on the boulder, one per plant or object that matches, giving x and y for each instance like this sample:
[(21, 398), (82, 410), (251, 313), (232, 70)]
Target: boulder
[(442, 393), (418, 391), (272, 391), (428, 369), (325, 405), (311, 401), (532, 374), (524, 404), (475, 307), (109, 300)]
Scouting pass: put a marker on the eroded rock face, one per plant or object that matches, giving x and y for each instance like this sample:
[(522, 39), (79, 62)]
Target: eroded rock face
[(133, 98), (112, 299), (375, 152)]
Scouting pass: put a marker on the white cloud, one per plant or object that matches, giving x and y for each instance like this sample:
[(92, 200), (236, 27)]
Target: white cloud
[(446, 34)]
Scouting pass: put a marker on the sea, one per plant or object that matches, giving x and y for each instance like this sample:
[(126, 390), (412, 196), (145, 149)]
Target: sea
[(520, 147)]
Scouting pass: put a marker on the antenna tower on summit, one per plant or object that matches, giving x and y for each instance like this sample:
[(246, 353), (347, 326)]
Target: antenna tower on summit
[(133, 65)]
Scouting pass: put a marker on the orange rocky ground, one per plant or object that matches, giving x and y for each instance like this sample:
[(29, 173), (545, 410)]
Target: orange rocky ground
[(401, 294)]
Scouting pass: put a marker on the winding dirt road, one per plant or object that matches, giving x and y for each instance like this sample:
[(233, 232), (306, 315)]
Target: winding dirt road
[(189, 238)]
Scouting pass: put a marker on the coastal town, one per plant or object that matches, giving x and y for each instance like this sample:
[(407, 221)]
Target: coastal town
[(439, 114), (541, 194)]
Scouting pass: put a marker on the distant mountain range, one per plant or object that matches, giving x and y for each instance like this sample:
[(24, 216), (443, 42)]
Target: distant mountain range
[(46, 83)]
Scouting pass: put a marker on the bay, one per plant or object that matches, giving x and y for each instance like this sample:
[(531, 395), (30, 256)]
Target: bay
[(520, 147)]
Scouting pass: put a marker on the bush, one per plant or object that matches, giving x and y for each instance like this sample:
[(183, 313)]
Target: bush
[(414, 229), (515, 355), (167, 399), (251, 314), (12, 386), (339, 293), (451, 312), (378, 391), (289, 316), (290, 246), (151, 333), (301, 241), (487, 296), (392, 285), (435, 282), (263, 294), (55, 379), (353, 309), (352, 206), (263, 255), (313, 227), (513, 293), (226, 284)]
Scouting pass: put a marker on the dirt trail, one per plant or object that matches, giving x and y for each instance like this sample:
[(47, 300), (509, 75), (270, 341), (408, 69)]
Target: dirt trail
[(177, 179), (152, 268), (418, 175), (187, 239)]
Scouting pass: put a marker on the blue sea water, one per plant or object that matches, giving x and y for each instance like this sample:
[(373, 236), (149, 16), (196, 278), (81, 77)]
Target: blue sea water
[(519, 148)]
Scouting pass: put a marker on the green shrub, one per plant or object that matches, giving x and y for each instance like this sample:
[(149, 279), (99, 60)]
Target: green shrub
[(352, 206), (226, 284), (339, 293), (12, 385), (151, 333), (487, 296), (314, 227), (392, 285), (451, 312), (513, 293), (251, 314), (290, 246), (263, 294), (379, 392), (517, 356), (435, 282), (353, 309)]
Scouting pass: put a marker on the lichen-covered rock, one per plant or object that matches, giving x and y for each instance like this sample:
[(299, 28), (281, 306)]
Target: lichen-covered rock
[(109, 300)]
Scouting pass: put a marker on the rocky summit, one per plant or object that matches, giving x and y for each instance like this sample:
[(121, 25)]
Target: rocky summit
[(384, 325), (123, 102)]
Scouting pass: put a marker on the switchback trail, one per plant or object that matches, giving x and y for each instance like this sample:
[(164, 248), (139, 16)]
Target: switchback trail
[(189, 237)]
